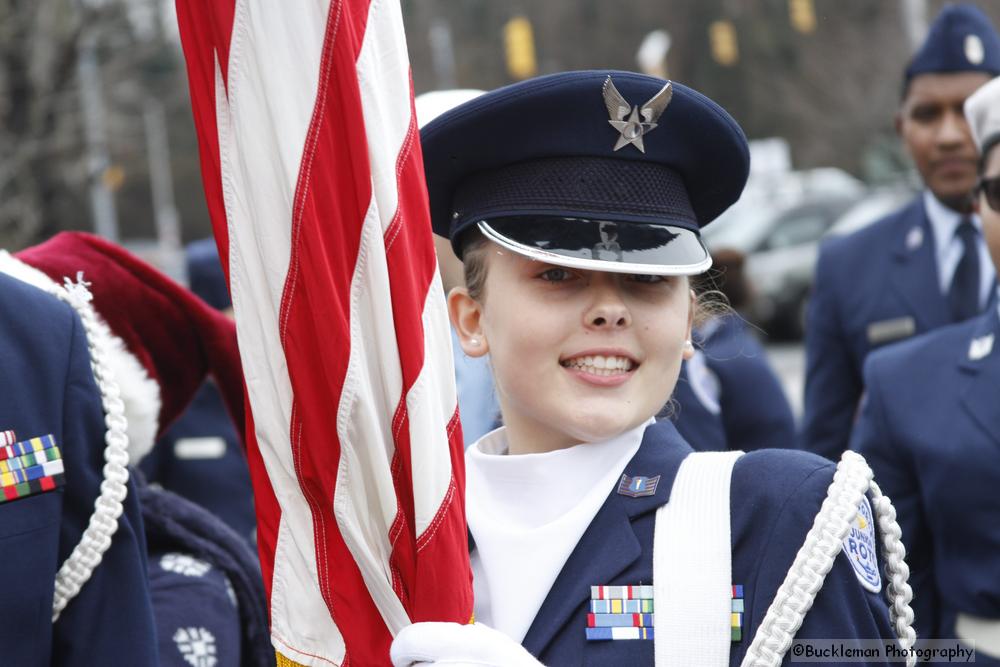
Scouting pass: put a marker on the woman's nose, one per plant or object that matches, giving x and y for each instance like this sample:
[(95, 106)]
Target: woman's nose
[(608, 309)]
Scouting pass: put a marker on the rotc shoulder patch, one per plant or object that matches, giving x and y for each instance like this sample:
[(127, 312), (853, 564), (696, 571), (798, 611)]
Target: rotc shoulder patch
[(30, 467), (859, 547)]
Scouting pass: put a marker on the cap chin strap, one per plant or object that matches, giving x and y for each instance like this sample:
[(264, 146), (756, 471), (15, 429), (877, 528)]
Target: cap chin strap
[(96, 539), (814, 560)]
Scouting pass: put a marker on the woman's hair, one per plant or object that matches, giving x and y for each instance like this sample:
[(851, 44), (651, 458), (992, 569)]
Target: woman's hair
[(710, 301), (474, 250), (727, 276)]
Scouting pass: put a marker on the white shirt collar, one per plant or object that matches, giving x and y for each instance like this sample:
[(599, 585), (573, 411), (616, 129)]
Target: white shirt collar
[(944, 221), (948, 248)]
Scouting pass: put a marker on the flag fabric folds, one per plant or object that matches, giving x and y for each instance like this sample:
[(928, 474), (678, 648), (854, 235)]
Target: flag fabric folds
[(314, 180)]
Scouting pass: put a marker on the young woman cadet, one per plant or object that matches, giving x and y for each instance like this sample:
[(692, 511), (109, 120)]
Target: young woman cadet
[(930, 426), (575, 201)]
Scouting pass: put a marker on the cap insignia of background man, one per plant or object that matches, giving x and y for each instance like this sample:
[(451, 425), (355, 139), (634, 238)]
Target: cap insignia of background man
[(961, 39), (601, 170), (982, 110)]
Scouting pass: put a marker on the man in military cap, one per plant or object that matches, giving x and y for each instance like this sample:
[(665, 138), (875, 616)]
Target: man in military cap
[(921, 267)]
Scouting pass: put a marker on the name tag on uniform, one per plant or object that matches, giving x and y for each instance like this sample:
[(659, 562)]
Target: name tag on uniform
[(30, 467), (200, 448), (886, 331)]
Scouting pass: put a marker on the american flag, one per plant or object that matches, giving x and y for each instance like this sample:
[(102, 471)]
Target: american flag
[(314, 179)]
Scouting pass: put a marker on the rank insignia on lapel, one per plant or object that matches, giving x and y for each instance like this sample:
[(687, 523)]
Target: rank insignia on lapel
[(635, 487), (30, 467), (980, 347)]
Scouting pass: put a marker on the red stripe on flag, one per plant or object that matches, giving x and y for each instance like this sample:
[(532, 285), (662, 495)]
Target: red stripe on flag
[(206, 31)]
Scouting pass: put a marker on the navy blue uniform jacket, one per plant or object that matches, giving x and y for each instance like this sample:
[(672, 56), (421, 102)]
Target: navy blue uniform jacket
[(775, 496), (221, 485), (48, 387), (697, 424), (872, 287), (930, 428), (207, 588), (753, 410)]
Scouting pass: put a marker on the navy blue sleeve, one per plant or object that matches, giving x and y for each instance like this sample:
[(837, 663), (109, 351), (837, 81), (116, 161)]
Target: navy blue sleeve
[(110, 621), (832, 385), (754, 409), (896, 475)]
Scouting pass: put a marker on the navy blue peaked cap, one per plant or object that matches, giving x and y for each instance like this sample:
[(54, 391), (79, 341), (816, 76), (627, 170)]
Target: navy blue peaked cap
[(961, 39), (205, 273), (545, 148)]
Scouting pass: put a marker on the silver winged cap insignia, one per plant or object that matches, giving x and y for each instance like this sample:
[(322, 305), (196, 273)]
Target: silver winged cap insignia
[(618, 108), (631, 122), (652, 109)]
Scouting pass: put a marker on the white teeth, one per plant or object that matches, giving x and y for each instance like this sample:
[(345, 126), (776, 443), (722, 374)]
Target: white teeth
[(600, 365)]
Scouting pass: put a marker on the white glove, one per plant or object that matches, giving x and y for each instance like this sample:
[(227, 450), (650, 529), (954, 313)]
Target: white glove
[(454, 644)]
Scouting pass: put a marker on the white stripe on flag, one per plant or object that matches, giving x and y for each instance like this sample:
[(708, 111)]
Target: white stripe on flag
[(431, 405)]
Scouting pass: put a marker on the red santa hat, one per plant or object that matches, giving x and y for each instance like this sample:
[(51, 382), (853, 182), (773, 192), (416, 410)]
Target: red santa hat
[(165, 339)]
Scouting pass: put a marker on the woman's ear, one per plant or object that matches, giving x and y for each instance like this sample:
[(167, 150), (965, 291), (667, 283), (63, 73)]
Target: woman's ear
[(466, 316)]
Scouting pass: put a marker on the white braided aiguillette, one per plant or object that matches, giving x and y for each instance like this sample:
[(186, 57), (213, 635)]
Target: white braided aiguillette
[(96, 539), (815, 558)]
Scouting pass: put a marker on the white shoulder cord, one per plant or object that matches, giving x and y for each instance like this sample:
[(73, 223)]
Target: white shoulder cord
[(814, 560), (87, 555)]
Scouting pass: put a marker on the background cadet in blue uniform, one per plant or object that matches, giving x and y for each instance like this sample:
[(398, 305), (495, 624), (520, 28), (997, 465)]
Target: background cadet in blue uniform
[(200, 456), (207, 594), (919, 268), (930, 426), (575, 201), (728, 396), (49, 389)]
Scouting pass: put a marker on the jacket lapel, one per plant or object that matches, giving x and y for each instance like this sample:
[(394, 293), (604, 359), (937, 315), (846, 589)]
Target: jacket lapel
[(914, 272), (609, 545), (981, 391)]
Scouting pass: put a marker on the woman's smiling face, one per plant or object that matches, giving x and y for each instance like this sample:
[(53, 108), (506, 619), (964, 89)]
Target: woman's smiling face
[(577, 356)]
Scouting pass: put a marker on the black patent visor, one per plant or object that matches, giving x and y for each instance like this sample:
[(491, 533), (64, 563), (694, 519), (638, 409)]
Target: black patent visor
[(602, 245)]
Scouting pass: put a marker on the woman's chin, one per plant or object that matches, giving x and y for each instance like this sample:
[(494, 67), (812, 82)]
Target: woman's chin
[(596, 427)]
